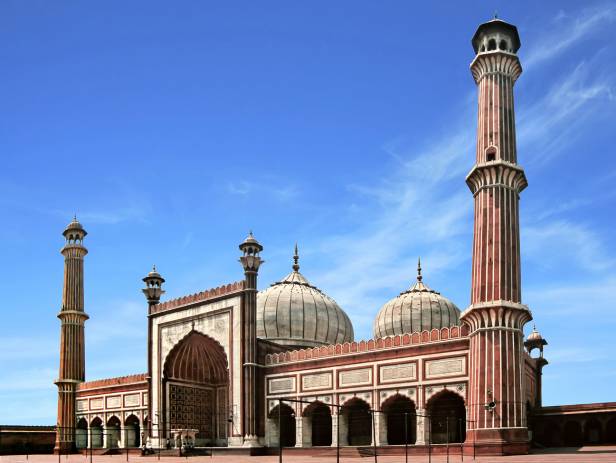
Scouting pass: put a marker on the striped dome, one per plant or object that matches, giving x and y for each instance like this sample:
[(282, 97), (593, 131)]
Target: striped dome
[(197, 358), (417, 309), (294, 313)]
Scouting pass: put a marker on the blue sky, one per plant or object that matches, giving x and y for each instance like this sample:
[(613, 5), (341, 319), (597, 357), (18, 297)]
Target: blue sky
[(172, 128)]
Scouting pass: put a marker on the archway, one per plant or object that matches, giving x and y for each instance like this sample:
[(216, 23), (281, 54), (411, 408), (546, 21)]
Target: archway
[(112, 432), (282, 421), (610, 431), (320, 425), (81, 434), (132, 434), (573, 434), (96, 433), (196, 381), (592, 432), (401, 420), (447, 414), (358, 422)]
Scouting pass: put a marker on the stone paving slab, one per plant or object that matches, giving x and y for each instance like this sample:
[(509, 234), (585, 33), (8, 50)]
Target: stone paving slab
[(595, 454)]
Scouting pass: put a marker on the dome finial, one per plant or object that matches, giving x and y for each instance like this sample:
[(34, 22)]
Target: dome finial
[(296, 260), (419, 277)]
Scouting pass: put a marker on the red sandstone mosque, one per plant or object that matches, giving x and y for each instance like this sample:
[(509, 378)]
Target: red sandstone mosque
[(241, 368)]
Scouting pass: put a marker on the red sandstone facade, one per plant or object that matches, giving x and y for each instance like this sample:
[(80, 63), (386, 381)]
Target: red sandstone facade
[(212, 381)]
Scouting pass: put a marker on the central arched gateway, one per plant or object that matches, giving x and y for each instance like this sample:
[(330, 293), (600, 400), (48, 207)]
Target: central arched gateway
[(196, 385)]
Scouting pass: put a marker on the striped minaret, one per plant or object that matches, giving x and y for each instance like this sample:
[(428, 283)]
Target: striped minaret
[(72, 346), (496, 408)]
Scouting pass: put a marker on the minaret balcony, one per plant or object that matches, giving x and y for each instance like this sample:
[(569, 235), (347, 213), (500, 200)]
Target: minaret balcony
[(496, 173)]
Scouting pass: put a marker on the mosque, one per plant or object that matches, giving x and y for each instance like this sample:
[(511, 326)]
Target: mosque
[(240, 368)]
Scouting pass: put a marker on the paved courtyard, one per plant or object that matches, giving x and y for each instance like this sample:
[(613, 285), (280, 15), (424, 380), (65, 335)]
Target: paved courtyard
[(564, 455)]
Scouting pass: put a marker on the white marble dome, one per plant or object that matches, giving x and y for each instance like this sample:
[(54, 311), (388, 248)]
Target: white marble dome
[(294, 313), (417, 309)]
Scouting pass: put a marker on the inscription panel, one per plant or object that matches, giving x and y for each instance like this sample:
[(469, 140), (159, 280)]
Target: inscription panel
[(276, 385), (113, 402), (355, 377), (317, 381), (82, 405), (131, 400), (96, 404), (399, 372), (446, 367)]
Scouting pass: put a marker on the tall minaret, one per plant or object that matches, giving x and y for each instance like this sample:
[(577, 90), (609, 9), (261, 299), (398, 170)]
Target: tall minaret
[(72, 346), (496, 404), (251, 261)]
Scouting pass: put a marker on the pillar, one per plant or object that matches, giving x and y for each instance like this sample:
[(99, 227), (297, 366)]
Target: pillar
[(423, 428), (303, 431), (380, 428), (340, 421)]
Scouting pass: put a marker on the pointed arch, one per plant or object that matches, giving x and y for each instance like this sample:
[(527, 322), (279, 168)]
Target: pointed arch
[(320, 423), (401, 421), (283, 415), (197, 358), (358, 419), (81, 433), (96, 432), (196, 381), (447, 414)]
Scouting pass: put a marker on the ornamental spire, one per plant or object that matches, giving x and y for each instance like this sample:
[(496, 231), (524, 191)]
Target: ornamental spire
[(419, 277), (296, 260)]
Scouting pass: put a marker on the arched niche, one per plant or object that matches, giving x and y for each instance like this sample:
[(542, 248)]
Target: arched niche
[(447, 416), (132, 431), (401, 420), (282, 422), (358, 421), (319, 423), (196, 389)]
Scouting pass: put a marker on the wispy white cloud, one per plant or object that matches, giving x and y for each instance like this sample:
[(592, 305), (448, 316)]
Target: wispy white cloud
[(275, 189), (115, 321), (589, 296), (544, 243), (546, 126), (569, 29), (23, 348)]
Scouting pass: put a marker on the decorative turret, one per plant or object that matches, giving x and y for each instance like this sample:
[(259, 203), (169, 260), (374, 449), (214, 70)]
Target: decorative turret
[(72, 342), (152, 291), (251, 249), (153, 286), (535, 341), (251, 261)]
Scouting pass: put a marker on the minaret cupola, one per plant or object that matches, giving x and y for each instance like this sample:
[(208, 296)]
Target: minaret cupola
[(496, 35), (153, 286)]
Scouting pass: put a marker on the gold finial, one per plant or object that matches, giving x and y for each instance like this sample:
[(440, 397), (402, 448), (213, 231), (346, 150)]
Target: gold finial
[(296, 259)]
